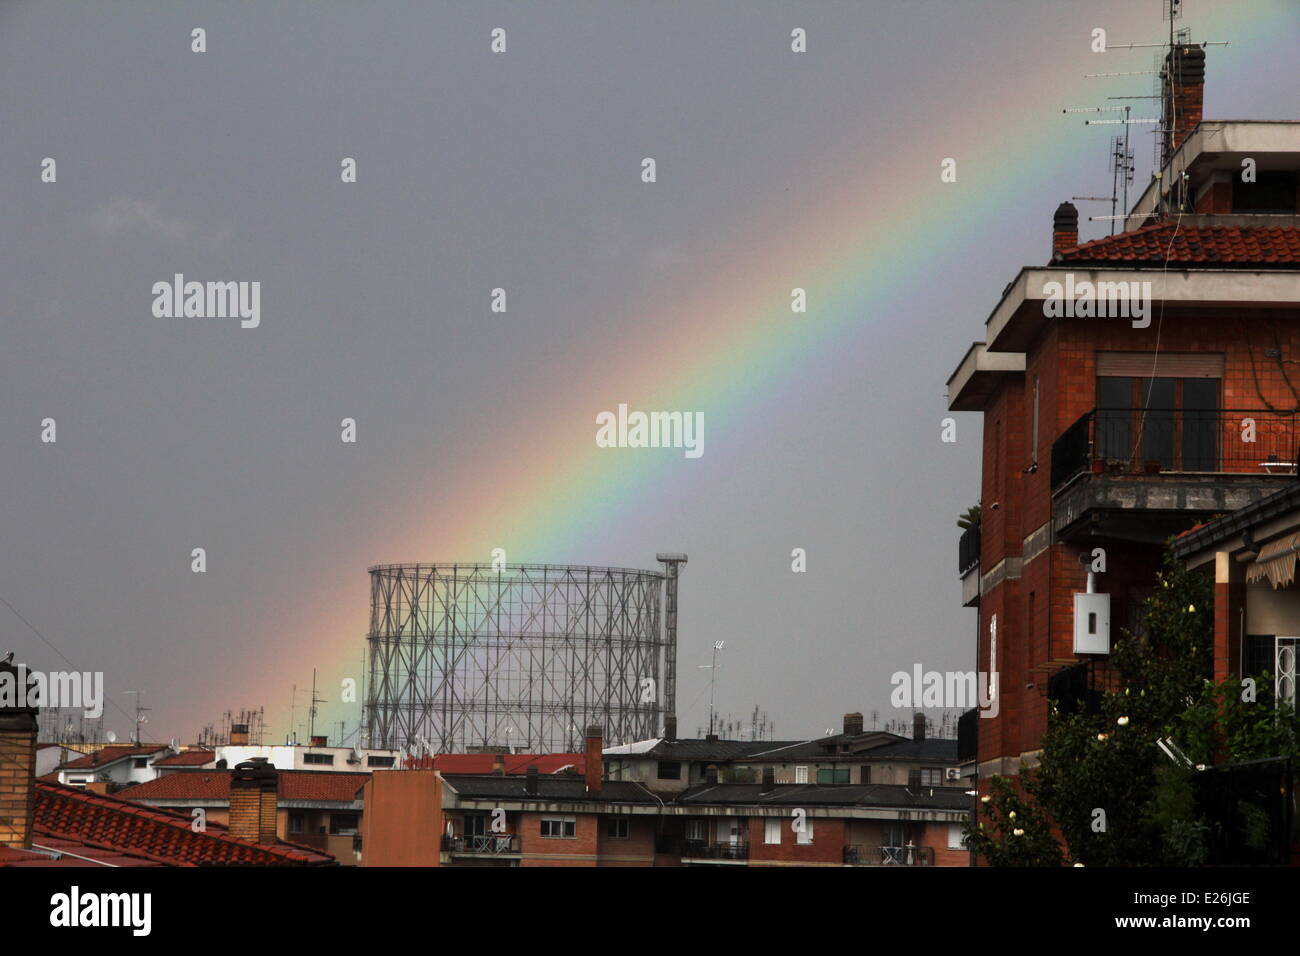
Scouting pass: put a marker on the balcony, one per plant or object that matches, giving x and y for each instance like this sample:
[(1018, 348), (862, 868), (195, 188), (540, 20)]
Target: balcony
[(859, 855), (495, 844), (968, 566), (1165, 468), (700, 850)]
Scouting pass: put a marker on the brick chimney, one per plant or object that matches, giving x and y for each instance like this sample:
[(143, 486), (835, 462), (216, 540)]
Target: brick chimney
[(531, 780), (319, 740), (17, 766), (239, 735), (499, 765), (1183, 95), (595, 761), (254, 800), (852, 724), (918, 726), (1065, 227)]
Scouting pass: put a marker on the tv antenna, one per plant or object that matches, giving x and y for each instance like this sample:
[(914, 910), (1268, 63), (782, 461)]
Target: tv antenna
[(713, 678), (1121, 155), (140, 711)]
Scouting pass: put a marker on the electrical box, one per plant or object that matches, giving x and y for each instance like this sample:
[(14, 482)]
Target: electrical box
[(1092, 624)]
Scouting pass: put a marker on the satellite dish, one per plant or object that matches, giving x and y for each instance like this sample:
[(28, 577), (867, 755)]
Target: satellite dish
[(110, 737)]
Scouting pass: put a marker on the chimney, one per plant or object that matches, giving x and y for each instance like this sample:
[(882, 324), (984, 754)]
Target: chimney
[(918, 726), (530, 780), (17, 762), (670, 727), (852, 724), (769, 779), (254, 800), (1065, 227), (319, 740), (239, 735), (1183, 96), (594, 760), (499, 765)]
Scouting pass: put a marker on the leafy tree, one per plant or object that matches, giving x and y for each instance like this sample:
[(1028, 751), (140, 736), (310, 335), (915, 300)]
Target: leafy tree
[(1013, 831), (969, 518)]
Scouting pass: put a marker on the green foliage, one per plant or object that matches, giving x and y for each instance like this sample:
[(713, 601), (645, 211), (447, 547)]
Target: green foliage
[(1013, 832), (969, 518), (1109, 761)]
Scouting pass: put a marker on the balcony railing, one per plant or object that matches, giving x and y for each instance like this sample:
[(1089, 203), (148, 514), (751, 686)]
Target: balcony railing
[(858, 855), (700, 850), (491, 844), (1184, 441), (968, 549)]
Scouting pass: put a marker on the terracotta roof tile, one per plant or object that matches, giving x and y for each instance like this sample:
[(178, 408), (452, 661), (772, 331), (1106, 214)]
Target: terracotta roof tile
[(110, 755), (1258, 246), (322, 785), (187, 758)]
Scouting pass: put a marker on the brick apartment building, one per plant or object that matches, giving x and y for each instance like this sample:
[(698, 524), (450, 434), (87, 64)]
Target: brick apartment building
[(661, 804), (1112, 434)]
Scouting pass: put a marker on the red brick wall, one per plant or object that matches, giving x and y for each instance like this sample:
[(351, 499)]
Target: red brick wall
[(637, 850), (829, 837), (551, 851)]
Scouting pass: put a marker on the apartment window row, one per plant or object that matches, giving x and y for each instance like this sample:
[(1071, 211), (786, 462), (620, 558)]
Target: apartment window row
[(326, 759), (560, 828)]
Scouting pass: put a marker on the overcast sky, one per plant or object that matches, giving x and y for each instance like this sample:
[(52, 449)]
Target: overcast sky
[(522, 170)]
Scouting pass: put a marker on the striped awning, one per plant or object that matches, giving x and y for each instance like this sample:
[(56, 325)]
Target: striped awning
[(1276, 562)]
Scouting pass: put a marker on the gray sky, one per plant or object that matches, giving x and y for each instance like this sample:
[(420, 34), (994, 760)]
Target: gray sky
[(520, 169)]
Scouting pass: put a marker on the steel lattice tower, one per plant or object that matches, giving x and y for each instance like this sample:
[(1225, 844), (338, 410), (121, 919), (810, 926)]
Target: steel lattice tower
[(521, 657)]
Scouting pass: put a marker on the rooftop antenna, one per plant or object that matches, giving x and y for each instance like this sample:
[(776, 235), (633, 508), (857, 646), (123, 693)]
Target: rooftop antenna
[(1121, 154), (713, 676), (140, 711), (311, 713)]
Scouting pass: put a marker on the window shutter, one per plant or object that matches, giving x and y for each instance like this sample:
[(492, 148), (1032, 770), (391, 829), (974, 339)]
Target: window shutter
[(1166, 364)]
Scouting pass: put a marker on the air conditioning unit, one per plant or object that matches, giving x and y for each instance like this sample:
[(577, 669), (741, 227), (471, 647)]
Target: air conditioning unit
[(953, 773)]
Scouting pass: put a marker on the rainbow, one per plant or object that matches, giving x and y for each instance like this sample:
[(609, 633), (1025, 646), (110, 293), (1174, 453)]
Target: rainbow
[(739, 354)]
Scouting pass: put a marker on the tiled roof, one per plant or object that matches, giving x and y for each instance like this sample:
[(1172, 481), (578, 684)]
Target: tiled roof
[(514, 763), (306, 785), (828, 795), (115, 831), (549, 788), (187, 758), (111, 755), (1257, 246)]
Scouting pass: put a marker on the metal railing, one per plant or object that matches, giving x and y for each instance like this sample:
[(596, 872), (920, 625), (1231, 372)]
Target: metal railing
[(859, 855), (701, 850), (1185, 441), (968, 549), (489, 844)]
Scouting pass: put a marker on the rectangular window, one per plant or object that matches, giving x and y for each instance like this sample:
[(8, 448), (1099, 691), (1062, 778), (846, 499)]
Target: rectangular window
[(617, 828), (800, 774), (560, 828), (864, 773), (772, 830), (140, 762), (833, 775), (326, 759), (914, 778), (297, 822), (695, 830), (892, 834), (475, 824), (805, 836), (379, 761), (956, 839), (1272, 191), (670, 770), (344, 824), (1173, 420), (932, 777)]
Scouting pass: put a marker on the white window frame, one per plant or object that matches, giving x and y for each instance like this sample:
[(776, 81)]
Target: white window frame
[(800, 774), (955, 833), (563, 822), (772, 831)]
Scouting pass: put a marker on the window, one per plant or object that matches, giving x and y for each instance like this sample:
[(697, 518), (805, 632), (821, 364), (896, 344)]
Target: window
[(344, 824), (956, 839), (772, 830), (892, 834), (1179, 428), (297, 821), (140, 762), (475, 824), (805, 836), (379, 761), (670, 770), (327, 759), (1271, 192), (695, 830), (800, 774), (914, 778), (560, 828), (864, 773), (932, 777), (833, 775), (617, 828)]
